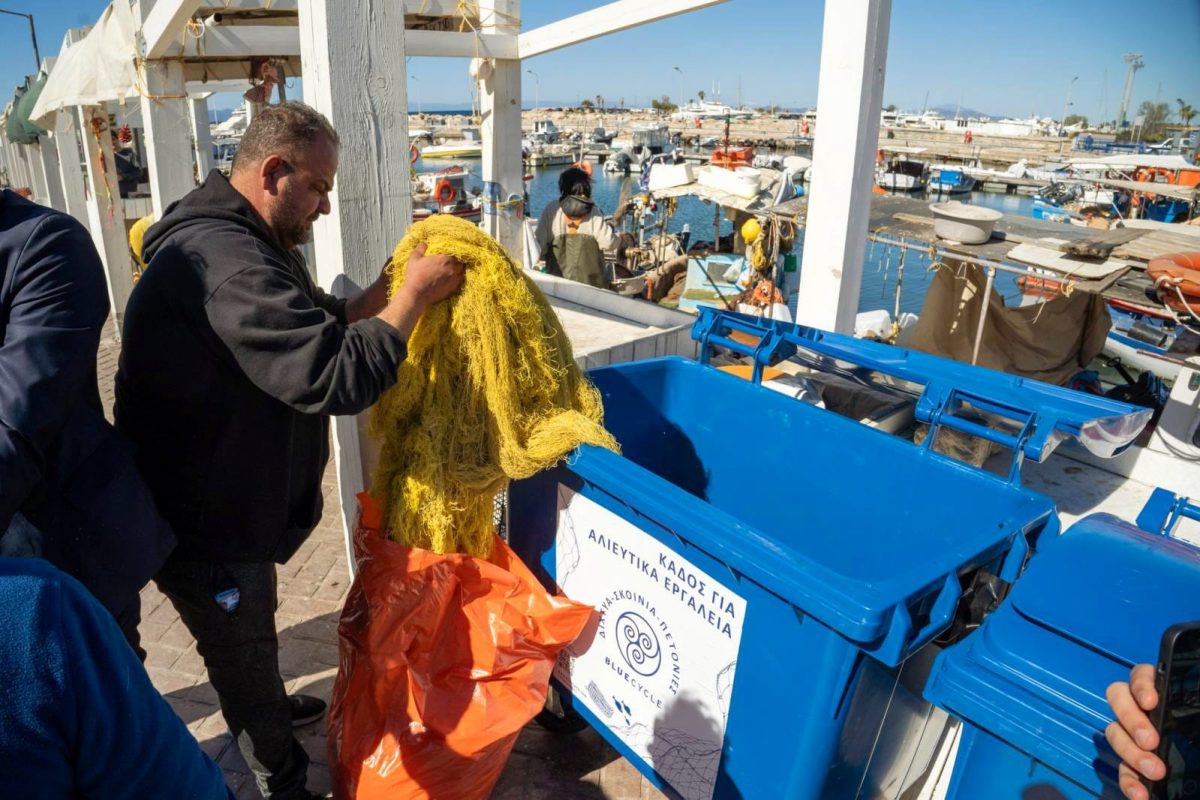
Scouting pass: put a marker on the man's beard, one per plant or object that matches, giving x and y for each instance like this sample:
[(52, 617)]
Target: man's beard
[(292, 234)]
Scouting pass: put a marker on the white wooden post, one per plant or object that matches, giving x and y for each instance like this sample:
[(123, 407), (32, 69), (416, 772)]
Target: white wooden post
[(500, 106), (47, 157), (168, 133), (849, 98), (201, 137), (106, 217), (37, 170), (66, 139), (359, 45)]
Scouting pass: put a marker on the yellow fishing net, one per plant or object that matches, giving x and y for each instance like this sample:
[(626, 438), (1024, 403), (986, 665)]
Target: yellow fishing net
[(489, 392), (137, 233)]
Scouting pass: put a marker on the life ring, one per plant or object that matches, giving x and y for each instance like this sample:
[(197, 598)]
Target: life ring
[(1177, 279), (413, 154), (444, 191)]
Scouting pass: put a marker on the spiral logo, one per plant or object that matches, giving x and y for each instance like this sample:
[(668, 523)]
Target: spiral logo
[(637, 643)]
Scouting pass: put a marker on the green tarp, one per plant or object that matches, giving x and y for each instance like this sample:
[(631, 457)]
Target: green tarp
[(20, 130)]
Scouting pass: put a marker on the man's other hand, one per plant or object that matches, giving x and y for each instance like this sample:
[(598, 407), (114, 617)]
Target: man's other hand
[(1132, 736)]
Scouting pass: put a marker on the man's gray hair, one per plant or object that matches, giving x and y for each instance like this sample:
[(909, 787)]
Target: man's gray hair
[(283, 129)]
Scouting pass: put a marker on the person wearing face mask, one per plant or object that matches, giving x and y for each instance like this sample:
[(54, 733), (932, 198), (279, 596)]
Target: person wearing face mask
[(572, 235)]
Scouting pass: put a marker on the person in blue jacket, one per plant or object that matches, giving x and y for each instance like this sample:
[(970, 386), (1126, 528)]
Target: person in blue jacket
[(80, 718), (70, 491)]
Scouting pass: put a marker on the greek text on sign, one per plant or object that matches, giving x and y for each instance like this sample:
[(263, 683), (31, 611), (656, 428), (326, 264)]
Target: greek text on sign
[(659, 670)]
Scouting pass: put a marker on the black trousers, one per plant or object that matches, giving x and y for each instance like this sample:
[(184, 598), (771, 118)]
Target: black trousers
[(240, 649)]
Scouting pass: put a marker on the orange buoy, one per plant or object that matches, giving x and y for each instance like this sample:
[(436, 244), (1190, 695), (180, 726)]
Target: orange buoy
[(444, 191), (1180, 269), (586, 166), (413, 154)]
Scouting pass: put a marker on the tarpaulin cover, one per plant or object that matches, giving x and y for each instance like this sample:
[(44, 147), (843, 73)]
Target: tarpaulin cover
[(443, 659), (1049, 342), (98, 68), (19, 129)]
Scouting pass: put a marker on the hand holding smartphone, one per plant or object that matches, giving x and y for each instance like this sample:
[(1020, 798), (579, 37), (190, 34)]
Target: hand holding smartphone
[(1176, 718)]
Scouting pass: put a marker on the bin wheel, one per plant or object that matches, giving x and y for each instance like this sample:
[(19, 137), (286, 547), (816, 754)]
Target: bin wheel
[(566, 723), (559, 718)]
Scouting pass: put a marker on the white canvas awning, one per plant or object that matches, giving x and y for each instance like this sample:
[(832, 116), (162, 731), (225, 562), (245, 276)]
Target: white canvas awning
[(99, 68)]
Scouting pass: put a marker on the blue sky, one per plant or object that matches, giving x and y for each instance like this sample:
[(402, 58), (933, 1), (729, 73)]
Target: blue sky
[(1001, 57)]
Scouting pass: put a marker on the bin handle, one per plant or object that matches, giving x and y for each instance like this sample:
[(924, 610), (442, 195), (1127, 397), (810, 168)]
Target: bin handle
[(716, 333), (900, 636), (938, 404), (1163, 511)]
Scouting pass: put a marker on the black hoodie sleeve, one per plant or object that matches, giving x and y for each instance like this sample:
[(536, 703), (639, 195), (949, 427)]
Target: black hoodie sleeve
[(296, 351)]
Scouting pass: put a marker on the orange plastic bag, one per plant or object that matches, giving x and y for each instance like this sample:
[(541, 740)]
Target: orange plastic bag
[(443, 659)]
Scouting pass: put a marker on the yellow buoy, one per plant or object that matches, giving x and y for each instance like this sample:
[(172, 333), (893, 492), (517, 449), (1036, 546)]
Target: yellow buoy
[(750, 230)]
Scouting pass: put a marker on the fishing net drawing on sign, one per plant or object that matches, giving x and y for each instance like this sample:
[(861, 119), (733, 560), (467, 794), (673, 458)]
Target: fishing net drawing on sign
[(686, 761)]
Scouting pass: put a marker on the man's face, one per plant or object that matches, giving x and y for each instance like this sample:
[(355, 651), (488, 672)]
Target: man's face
[(301, 192)]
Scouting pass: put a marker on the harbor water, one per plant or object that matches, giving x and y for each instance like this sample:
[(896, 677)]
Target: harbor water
[(882, 262)]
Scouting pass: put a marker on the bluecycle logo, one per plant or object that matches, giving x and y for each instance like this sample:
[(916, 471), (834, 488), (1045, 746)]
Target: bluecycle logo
[(638, 644)]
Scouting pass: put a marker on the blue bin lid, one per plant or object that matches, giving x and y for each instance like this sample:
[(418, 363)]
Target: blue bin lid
[(1092, 603)]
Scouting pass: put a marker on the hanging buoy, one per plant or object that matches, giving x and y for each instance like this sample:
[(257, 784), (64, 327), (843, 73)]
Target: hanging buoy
[(413, 154), (586, 166), (444, 191)]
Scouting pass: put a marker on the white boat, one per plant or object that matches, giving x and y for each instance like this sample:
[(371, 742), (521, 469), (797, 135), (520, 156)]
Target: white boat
[(643, 143), (702, 109), (903, 175), (445, 191), (950, 179), (469, 146)]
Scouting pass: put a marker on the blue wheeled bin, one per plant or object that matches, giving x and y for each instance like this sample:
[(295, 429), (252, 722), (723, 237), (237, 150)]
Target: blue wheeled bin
[(750, 554), (1030, 684)]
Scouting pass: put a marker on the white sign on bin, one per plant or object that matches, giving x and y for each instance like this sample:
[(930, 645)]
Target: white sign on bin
[(658, 668)]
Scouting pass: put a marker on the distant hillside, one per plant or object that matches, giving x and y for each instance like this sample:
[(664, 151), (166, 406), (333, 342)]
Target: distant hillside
[(947, 110)]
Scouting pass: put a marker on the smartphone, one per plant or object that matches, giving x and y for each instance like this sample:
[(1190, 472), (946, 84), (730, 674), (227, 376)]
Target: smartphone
[(1177, 715)]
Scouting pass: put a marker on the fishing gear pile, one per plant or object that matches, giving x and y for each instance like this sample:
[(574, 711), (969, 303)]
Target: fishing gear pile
[(488, 393)]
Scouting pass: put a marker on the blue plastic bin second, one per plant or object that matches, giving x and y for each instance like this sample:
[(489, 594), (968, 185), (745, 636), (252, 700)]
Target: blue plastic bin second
[(1030, 683), (747, 552)]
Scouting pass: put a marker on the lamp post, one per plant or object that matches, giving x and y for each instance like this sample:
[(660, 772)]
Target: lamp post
[(679, 102), (37, 57), (1066, 106), (536, 88)]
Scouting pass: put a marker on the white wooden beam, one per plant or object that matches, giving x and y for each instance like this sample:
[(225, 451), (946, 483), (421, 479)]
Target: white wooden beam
[(452, 44), (201, 74), (358, 45), (849, 96), (46, 154), (500, 107), (70, 165), (168, 136), (106, 217), (240, 41), (164, 25), (201, 137), (611, 18)]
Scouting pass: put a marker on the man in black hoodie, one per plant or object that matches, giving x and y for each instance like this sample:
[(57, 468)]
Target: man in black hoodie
[(233, 360)]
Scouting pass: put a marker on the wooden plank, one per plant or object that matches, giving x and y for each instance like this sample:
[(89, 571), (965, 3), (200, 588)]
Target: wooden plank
[(854, 47), (1157, 243), (66, 139), (467, 44), (500, 107), (106, 214), (1101, 245), (201, 136), (168, 133), (602, 21), (359, 45), (162, 27), (1058, 261)]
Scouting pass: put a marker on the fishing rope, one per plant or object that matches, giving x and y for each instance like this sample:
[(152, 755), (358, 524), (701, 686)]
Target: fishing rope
[(489, 392)]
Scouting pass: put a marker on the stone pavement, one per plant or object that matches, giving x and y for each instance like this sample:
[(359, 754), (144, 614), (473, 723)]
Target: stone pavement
[(312, 587)]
